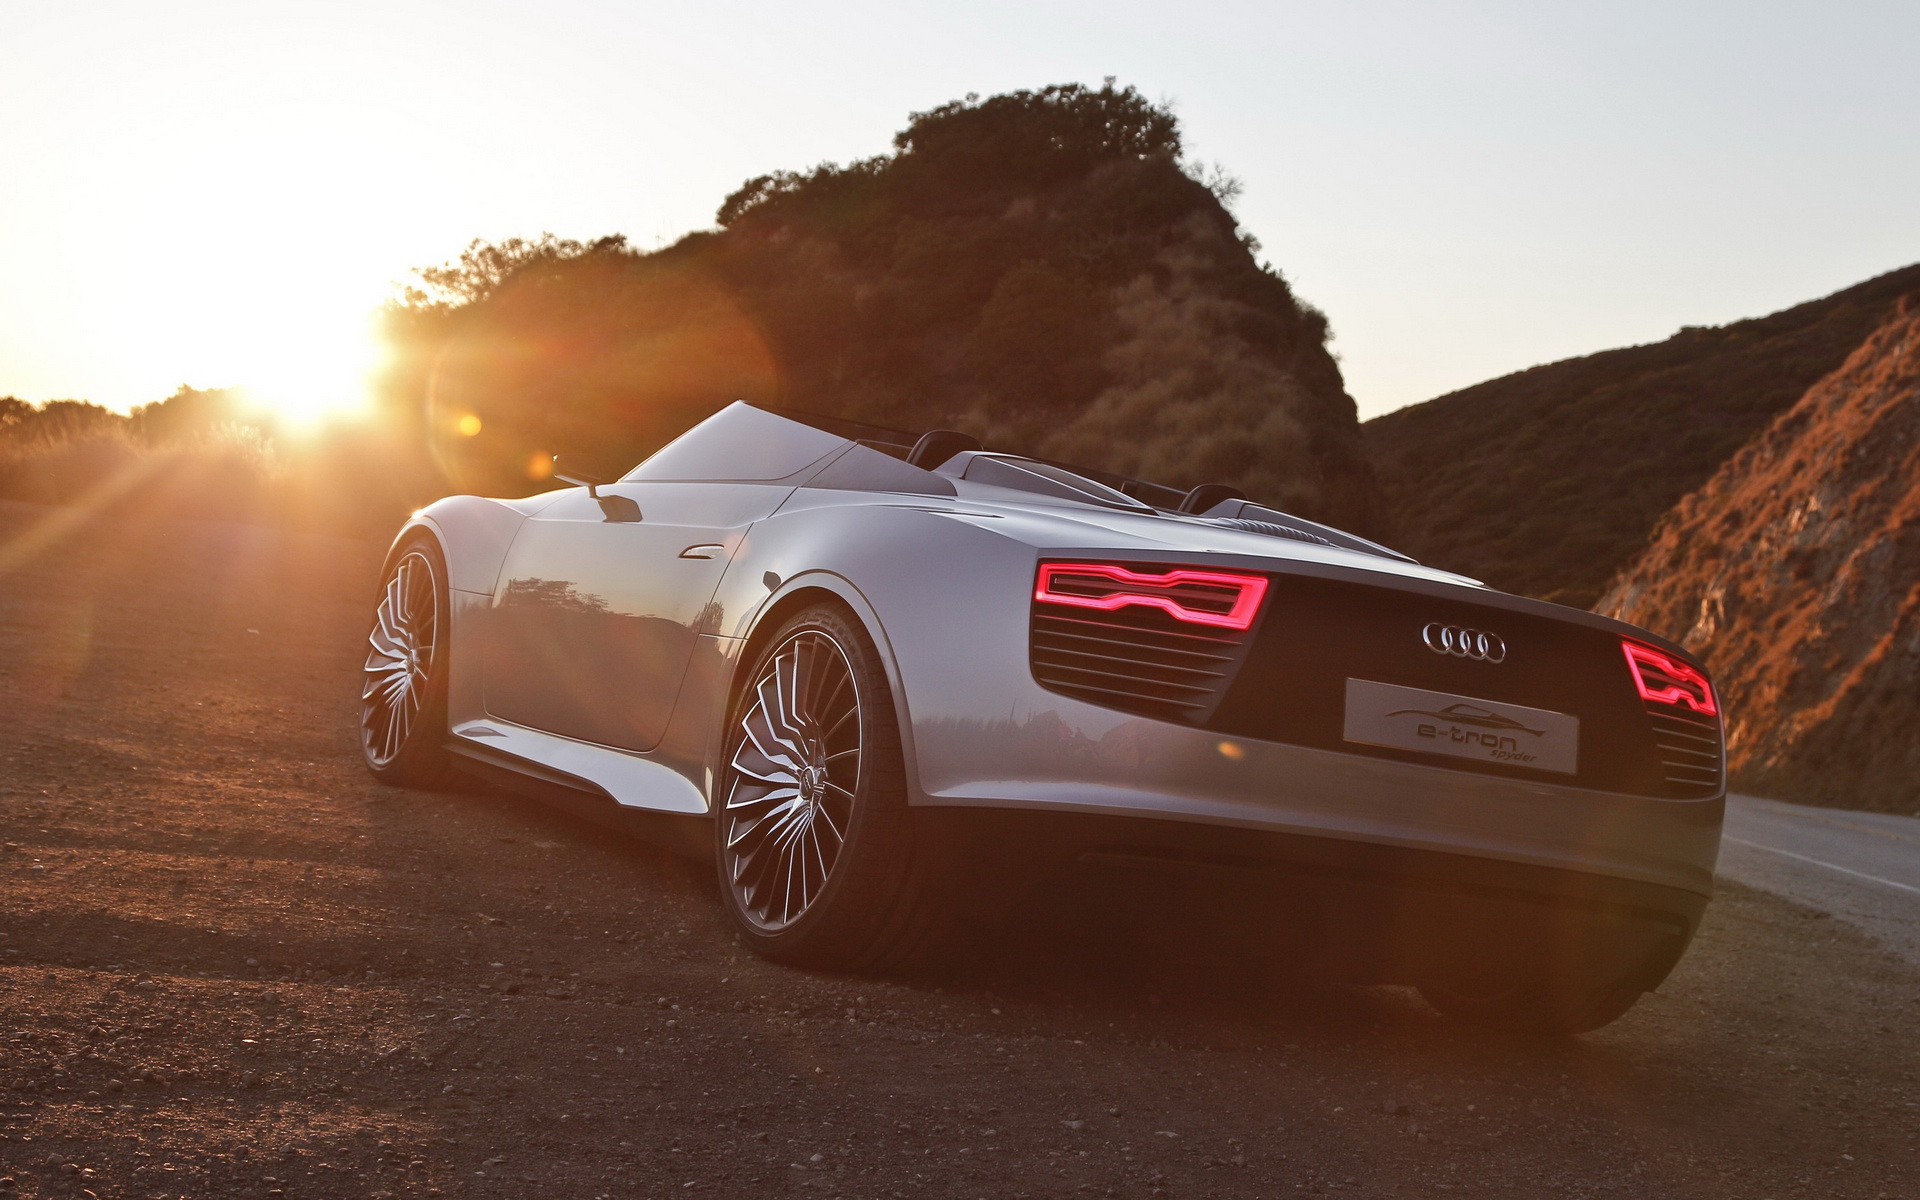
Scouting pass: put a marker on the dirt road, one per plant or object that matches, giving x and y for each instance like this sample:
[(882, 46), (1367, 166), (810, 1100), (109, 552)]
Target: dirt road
[(232, 965)]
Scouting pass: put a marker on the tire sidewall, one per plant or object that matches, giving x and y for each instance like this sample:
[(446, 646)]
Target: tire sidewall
[(422, 759), (1535, 1008), (850, 913)]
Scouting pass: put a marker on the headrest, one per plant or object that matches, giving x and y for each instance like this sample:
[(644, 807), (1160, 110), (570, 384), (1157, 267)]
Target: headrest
[(1207, 495), (937, 447)]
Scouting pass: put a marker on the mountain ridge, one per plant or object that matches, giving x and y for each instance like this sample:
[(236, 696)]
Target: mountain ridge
[(1795, 570), (1547, 481)]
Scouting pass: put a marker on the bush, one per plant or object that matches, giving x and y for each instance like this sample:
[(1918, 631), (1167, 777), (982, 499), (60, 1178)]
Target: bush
[(1037, 268), (353, 482)]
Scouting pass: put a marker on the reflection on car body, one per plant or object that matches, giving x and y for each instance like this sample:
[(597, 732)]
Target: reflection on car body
[(829, 643)]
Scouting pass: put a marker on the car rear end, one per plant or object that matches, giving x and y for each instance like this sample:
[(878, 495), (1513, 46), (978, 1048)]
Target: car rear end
[(1330, 663), (1454, 786)]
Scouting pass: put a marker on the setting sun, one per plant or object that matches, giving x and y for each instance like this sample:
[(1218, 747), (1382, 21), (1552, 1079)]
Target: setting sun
[(318, 369), (197, 305)]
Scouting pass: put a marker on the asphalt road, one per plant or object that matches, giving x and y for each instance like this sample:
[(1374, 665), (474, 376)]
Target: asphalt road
[(1860, 867)]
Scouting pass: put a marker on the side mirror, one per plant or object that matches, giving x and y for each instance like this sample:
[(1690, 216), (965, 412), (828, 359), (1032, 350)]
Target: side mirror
[(578, 478), (613, 508)]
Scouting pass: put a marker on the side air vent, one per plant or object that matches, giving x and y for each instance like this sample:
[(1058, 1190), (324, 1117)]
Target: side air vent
[(1689, 747), (1272, 530), (1140, 660)]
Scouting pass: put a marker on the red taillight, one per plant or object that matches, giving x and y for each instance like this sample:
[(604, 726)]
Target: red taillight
[(1218, 598), (1664, 679)]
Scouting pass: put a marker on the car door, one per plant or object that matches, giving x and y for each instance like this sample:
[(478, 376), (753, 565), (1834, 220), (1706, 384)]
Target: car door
[(596, 613)]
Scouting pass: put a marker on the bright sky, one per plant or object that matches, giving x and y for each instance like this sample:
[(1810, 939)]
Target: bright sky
[(214, 193)]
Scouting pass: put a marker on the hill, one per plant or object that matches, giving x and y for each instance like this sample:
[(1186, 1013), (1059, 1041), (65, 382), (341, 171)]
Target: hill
[(1035, 268), (1796, 571), (1549, 480)]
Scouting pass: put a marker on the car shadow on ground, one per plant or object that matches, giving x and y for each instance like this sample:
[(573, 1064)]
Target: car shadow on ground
[(1159, 944)]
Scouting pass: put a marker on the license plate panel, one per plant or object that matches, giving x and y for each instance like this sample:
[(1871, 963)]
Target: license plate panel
[(1404, 718)]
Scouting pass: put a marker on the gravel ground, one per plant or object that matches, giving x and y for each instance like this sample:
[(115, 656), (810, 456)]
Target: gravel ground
[(232, 965)]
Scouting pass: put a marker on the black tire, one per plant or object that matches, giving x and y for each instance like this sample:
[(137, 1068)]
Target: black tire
[(1533, 1007), (786, 792), (403, 697)]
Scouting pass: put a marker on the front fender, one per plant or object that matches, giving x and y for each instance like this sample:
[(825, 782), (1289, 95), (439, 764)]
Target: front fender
[(473, 534)]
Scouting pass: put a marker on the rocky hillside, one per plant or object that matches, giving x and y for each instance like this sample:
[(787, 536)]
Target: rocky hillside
[(1036, 268), (1549, 480), (1796, 571)]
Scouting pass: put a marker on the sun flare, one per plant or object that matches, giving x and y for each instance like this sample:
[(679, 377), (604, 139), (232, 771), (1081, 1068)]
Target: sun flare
[(316, 369), (193, 297), (296, 360)]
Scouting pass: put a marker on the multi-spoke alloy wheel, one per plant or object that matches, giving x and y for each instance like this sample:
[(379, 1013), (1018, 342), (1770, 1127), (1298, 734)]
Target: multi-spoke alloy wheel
[(400, 696), (796, 769), (819, 857)]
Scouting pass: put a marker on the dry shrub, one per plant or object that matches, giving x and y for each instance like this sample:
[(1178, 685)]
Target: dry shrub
[(1192, 398), (1796, 572), (598, 358), (1036, 268), (62, 469), (351, 482), (223, 472)]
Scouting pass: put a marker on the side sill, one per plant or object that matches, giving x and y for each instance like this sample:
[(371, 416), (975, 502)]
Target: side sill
[(511, 770), (631, 780), (677, 833)]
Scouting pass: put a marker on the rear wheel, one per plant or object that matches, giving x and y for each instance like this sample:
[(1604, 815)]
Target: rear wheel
[(813, 840), (403, 691)]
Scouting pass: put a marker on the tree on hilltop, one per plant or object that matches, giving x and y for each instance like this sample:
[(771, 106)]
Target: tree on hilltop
[(1038, 268)]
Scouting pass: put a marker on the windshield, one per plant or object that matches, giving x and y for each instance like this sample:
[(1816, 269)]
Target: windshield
[(740, 443)]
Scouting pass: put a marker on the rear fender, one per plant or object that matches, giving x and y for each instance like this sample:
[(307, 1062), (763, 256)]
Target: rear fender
[(944, 600)]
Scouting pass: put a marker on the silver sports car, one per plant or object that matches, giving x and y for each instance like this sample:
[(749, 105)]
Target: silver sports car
[(850, 656)]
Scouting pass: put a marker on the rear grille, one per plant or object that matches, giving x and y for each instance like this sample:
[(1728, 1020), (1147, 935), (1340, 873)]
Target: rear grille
[(1689, 748), (1319, 633), (1139, 660)]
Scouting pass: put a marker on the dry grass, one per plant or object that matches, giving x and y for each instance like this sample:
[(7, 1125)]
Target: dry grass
[(353, 483), (222, 468)]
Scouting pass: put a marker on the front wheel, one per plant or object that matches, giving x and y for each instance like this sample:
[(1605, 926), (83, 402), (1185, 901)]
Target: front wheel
[(814, 843), (403, 689)]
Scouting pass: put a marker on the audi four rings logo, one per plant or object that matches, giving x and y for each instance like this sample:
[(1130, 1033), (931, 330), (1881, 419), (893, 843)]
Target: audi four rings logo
[(1464, 643)]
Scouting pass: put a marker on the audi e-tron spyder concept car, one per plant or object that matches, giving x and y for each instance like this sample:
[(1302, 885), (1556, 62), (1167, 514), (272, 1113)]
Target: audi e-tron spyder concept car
[(847, 652)]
